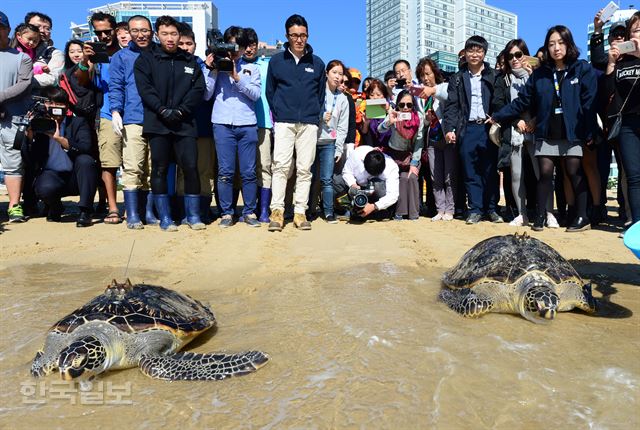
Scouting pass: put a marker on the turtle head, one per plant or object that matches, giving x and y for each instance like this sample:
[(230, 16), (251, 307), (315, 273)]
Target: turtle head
[(84, 358), (538, 301)]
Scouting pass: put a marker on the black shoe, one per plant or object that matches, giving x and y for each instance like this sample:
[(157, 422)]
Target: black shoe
[(538, 223), (579, 224), (495, 218), (84, 220), (474, 218), (331, 219), (54, 212)]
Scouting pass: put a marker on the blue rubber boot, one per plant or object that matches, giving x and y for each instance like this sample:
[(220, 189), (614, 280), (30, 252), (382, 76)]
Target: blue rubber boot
[(164, 212), (146, 205), (265, 201), (192, 211), (131, 208)]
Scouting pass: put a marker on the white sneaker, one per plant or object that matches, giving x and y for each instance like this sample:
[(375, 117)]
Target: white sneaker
[(552, 222), (519, 221), (438, 217), (447, 217)]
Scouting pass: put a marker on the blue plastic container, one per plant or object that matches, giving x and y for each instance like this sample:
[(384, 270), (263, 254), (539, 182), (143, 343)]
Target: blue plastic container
[(632, 239)]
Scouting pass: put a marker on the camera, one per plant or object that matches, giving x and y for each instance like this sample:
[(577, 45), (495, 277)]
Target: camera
[(220, 50), (400, 83), (38, 119), (360, 197)]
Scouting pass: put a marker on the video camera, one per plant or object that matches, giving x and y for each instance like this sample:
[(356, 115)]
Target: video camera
[(360, 196), (221, 51), (38, 118)]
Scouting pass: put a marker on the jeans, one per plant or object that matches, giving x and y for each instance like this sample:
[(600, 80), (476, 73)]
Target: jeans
[(323, 169), (629, 139), (236, 142)]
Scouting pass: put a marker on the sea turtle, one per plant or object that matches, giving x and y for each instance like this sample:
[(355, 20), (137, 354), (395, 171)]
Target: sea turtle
[(515, 274), (138, 325)]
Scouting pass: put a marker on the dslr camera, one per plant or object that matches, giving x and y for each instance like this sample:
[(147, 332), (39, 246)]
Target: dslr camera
[(221, 51), (38, 118), (360, 197)]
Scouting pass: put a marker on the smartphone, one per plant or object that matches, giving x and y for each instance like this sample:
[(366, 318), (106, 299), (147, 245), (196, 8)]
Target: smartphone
[(400, 83), (626, 47), (532, 61), (608, 11), (100, 52), (416, 90), (404, 116)]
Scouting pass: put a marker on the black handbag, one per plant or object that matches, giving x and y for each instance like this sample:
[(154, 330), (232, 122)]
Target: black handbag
[(614, 131)]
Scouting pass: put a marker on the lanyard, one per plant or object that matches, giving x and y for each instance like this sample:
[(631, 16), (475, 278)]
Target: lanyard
[(557, 87)]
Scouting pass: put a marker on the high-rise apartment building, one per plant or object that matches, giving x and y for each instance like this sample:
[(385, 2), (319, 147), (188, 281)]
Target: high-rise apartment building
[(200, 15), (412, 29)]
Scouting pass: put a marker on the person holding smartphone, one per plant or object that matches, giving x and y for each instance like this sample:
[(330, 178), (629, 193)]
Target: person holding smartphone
[(405, 148)]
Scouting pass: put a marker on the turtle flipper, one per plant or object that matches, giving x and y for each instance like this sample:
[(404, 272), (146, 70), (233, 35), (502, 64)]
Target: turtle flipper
[(203, 367), (466, 302)]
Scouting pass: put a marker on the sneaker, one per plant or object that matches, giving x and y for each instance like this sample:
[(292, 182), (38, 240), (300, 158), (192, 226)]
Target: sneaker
[(277, 220), (398, 218), (447, 217), (15, 214), (621, 234), (519, 221), (495, 218), (300, 221), (226, 221), (331, 219), (438, 217), (251, 220), (552, 222), (473, 218)]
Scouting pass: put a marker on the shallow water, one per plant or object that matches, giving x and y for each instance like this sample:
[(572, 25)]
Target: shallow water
[(367, 348)]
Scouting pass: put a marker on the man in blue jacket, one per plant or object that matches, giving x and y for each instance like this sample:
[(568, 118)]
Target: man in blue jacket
[(127, 117), (295, 91)]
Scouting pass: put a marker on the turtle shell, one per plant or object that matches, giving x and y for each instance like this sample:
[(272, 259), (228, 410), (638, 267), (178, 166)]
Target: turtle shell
[(507, 258), (141, 307)]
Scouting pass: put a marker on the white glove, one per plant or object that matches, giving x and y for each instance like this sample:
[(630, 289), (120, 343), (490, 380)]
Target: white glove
[(116, 123)]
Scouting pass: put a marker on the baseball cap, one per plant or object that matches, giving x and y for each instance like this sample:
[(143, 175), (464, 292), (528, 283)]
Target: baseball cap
[(4, 21), (355, 73), (617, 25)]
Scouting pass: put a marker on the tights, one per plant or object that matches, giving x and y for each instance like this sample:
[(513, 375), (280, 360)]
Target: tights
[(164, 148), (572, 167)]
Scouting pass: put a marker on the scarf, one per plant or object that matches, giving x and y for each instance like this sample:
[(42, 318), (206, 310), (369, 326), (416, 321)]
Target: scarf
[(519, 78), (408, 129)]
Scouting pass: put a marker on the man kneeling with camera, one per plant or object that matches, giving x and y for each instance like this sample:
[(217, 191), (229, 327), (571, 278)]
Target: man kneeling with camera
[(371, 180), (59, 157)]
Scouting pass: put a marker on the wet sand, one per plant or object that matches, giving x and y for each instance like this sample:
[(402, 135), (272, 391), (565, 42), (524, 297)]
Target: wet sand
[(349, 316)]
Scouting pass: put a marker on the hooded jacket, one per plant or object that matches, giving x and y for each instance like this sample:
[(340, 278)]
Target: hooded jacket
[(169, 81), (295, 92)]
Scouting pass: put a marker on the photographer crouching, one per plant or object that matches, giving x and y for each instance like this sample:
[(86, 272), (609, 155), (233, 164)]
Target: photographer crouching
[(59, 157), (371, 181)]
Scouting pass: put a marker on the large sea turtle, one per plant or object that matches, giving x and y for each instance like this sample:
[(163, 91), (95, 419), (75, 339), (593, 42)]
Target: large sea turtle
[(138, 325), (515, 274)]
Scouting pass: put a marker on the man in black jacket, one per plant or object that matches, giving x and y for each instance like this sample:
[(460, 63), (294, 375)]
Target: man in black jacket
[(171, 86), (468, 106), (63, 162)]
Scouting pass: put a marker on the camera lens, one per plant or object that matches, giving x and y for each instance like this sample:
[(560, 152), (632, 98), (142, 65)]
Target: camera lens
[(360, 200)]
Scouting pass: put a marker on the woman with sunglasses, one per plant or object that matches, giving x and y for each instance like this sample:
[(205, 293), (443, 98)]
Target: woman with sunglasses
[(518, 135), (405, 148), (562, 93)]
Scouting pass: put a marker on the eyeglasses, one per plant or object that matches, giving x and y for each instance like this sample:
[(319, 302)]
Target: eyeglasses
[(294, 36), (102, 32), (405, 105), (44, 28), (135, 31), (517, 55)]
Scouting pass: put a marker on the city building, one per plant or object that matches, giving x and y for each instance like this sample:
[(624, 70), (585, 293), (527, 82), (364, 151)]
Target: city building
[(412, 29), (620, 16), (202, 16)]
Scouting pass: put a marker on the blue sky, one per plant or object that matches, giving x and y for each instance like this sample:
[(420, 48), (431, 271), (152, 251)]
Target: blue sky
[(336, 27)]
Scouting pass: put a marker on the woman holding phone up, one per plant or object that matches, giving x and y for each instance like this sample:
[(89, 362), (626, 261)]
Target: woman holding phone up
[(561, 93)]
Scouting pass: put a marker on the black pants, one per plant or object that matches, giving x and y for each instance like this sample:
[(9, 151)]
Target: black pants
[(164, 149), (50, 185)]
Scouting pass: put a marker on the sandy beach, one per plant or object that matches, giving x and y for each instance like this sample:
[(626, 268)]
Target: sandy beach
[(276, 291)]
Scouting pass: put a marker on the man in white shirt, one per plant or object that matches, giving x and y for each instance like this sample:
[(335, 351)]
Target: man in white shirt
[(367, 165)]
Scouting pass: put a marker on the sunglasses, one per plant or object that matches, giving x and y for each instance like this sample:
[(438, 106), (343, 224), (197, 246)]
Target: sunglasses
[(102, 32), (518, 55), (405, 105)]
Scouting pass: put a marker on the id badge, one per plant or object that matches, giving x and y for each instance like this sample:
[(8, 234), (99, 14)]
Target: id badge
[(558, 111)]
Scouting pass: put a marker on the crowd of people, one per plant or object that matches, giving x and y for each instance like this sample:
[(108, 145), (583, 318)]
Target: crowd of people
[(301, 139)]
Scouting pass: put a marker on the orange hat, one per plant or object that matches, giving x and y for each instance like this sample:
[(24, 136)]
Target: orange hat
[(355, 73)]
